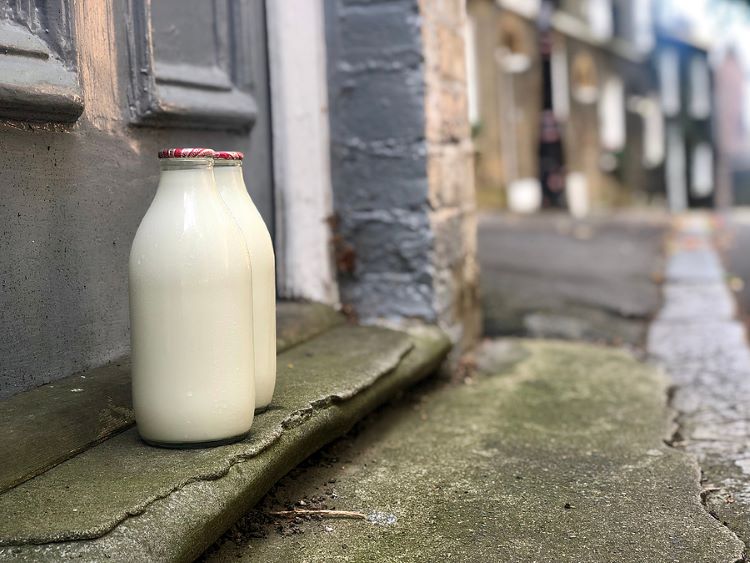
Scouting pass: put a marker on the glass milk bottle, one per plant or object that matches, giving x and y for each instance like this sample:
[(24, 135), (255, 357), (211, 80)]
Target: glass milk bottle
[(229, 180), (190, 311)]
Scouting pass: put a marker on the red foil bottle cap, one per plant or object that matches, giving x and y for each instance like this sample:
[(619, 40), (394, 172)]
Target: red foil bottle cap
[(228, 155), (186, 153)]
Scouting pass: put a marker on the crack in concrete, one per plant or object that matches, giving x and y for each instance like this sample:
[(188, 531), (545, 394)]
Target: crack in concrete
[(676, 441)]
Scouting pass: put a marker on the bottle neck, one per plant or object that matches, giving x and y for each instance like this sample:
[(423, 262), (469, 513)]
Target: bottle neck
[(229, 173), (187, 174)]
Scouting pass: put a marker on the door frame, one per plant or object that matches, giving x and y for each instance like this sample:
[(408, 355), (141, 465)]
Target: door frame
[(301, 150)]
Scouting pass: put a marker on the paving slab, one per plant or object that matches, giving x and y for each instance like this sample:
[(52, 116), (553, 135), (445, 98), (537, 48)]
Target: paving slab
[(123, 500), (553, 452)]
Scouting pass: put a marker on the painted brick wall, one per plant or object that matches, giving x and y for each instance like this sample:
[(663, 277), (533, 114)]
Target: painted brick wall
[(401, 163)]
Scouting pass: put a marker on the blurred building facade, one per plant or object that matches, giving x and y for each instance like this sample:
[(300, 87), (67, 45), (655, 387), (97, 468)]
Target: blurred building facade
[(613, 77), (733, 152), (686, 85)]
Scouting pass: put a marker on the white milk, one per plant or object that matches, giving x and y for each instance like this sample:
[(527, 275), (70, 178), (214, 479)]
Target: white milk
[(231, 185), (191, 313)]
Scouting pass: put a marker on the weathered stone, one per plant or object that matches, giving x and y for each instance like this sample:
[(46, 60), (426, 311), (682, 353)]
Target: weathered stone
[(369, 177), (64, 418), (389, 204), (697, 302), (91, 493), (378, 108), (47, 425), (299, 321), (705, 352), (389, 296), (698, 265), (386, 241), (451, 173), (377, 31), (554, 453), (339, 377)]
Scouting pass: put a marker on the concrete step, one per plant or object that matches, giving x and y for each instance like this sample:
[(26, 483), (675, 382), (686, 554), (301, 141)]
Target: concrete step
[(70, 415), (123, 500), (552, 452)]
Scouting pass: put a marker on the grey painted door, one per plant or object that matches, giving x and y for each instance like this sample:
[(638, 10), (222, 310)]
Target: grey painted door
[(89, 91)]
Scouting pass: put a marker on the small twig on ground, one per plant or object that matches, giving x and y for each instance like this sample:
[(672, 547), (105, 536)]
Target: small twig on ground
[(326, 513)]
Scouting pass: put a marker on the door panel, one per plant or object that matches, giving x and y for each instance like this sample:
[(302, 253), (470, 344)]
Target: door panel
[(37, 62), (189, 63)]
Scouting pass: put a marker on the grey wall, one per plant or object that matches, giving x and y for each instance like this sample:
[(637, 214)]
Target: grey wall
[(379, 157), (72, 192)]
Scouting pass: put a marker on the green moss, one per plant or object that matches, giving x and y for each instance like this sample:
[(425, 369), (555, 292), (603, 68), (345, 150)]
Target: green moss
[(556, 454)]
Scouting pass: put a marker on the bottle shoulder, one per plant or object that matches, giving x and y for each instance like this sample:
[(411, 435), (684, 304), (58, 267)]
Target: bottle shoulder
[(199, 232), (250, 220)]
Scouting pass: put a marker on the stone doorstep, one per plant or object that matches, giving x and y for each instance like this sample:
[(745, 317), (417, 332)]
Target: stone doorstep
[(67, 416), (123, 500)]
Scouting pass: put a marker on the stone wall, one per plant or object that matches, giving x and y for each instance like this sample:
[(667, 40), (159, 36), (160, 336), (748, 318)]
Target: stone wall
[(450, 168), (401, 163)]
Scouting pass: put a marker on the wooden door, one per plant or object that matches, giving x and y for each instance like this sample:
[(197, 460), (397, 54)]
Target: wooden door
[(89, 92)]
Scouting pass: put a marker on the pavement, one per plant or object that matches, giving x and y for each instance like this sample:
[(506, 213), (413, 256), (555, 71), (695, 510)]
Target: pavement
[(112, 497), (628, 445), (701, 341), (552, 276), (551, 450)]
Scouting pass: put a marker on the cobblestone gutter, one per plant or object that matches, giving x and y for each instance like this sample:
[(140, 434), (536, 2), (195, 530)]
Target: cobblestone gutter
[(704, 350)]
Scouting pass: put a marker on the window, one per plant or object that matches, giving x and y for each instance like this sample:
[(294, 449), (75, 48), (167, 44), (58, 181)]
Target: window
[(669, 81), (702, 171), (676, 173), (612, 114), (643, 26), (560, 86), (653, 131), (600, 18), (472, 75), (700, 88), (527, 8)]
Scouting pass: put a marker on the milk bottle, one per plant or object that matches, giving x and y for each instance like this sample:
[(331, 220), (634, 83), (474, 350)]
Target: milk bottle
[(229, 180), (191, 311)]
